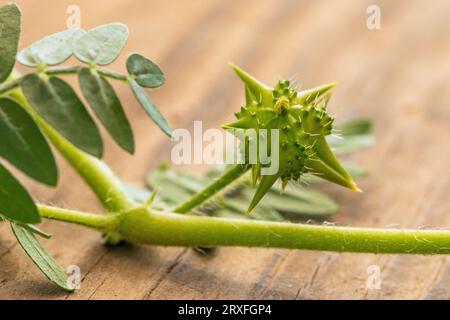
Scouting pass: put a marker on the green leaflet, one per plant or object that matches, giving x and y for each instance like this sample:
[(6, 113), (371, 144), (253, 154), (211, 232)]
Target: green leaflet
[(162, 182), (350, 143), (354, 170), (106, 105), (40, 257), (24, 145), (351, 136), (10, 17), (15, 202), (304, 201), (174, 187), (58, 104), (137, 194), (35, 230), (102, 44), (146, 73), (51, 50), (237, 205), (312, 202), (149, 106), (354, 127)]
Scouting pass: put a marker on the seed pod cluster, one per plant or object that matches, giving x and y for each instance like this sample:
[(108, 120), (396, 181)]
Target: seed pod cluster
[(302, 122)]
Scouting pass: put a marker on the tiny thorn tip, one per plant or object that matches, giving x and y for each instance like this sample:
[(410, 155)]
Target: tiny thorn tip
[(356, 188)]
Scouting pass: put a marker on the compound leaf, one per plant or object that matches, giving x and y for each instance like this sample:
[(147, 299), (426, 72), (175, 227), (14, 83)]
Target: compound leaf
[(40, 257), (10, 17), (300, 200), (149, 106), (56, 102), (51, 50), (102, 44), (352, 136), (24, 145), (106, 105), (146, 73), (354, 127), (15, 202)]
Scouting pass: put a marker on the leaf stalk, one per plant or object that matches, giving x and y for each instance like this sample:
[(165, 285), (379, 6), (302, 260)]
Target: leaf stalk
[(104, 223), (58, 71)]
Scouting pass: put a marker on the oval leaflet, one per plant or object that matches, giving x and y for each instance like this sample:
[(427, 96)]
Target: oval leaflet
[(23, 144), (56, 102), (146, 73), (51, 50), (10, 17), (102, 44)]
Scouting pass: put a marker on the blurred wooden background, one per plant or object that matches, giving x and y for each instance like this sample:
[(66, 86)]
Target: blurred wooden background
[(399, 76)]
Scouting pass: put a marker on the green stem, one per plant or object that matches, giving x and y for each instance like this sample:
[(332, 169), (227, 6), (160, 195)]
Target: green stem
[(94, 172), (99, 222), (169, 229), (112, 74), (215, 187), (9, 85), (58, 71)]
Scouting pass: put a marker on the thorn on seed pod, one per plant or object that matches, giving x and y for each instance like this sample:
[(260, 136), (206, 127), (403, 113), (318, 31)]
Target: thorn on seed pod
[(305, 135), (151, 199), (284, 184)]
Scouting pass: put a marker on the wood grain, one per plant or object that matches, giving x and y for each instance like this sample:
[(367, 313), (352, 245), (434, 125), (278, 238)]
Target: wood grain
[(397, 75)]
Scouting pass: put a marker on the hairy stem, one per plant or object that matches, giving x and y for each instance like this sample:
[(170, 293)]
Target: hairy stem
[(99, 222), (94, 172), (215, 187), (169, 229)]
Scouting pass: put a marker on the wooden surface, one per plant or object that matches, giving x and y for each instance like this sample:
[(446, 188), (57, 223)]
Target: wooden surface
[(397, 75)]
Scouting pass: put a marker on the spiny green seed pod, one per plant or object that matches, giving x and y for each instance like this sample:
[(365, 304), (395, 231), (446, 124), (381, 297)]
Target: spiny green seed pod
[(302, 122)]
